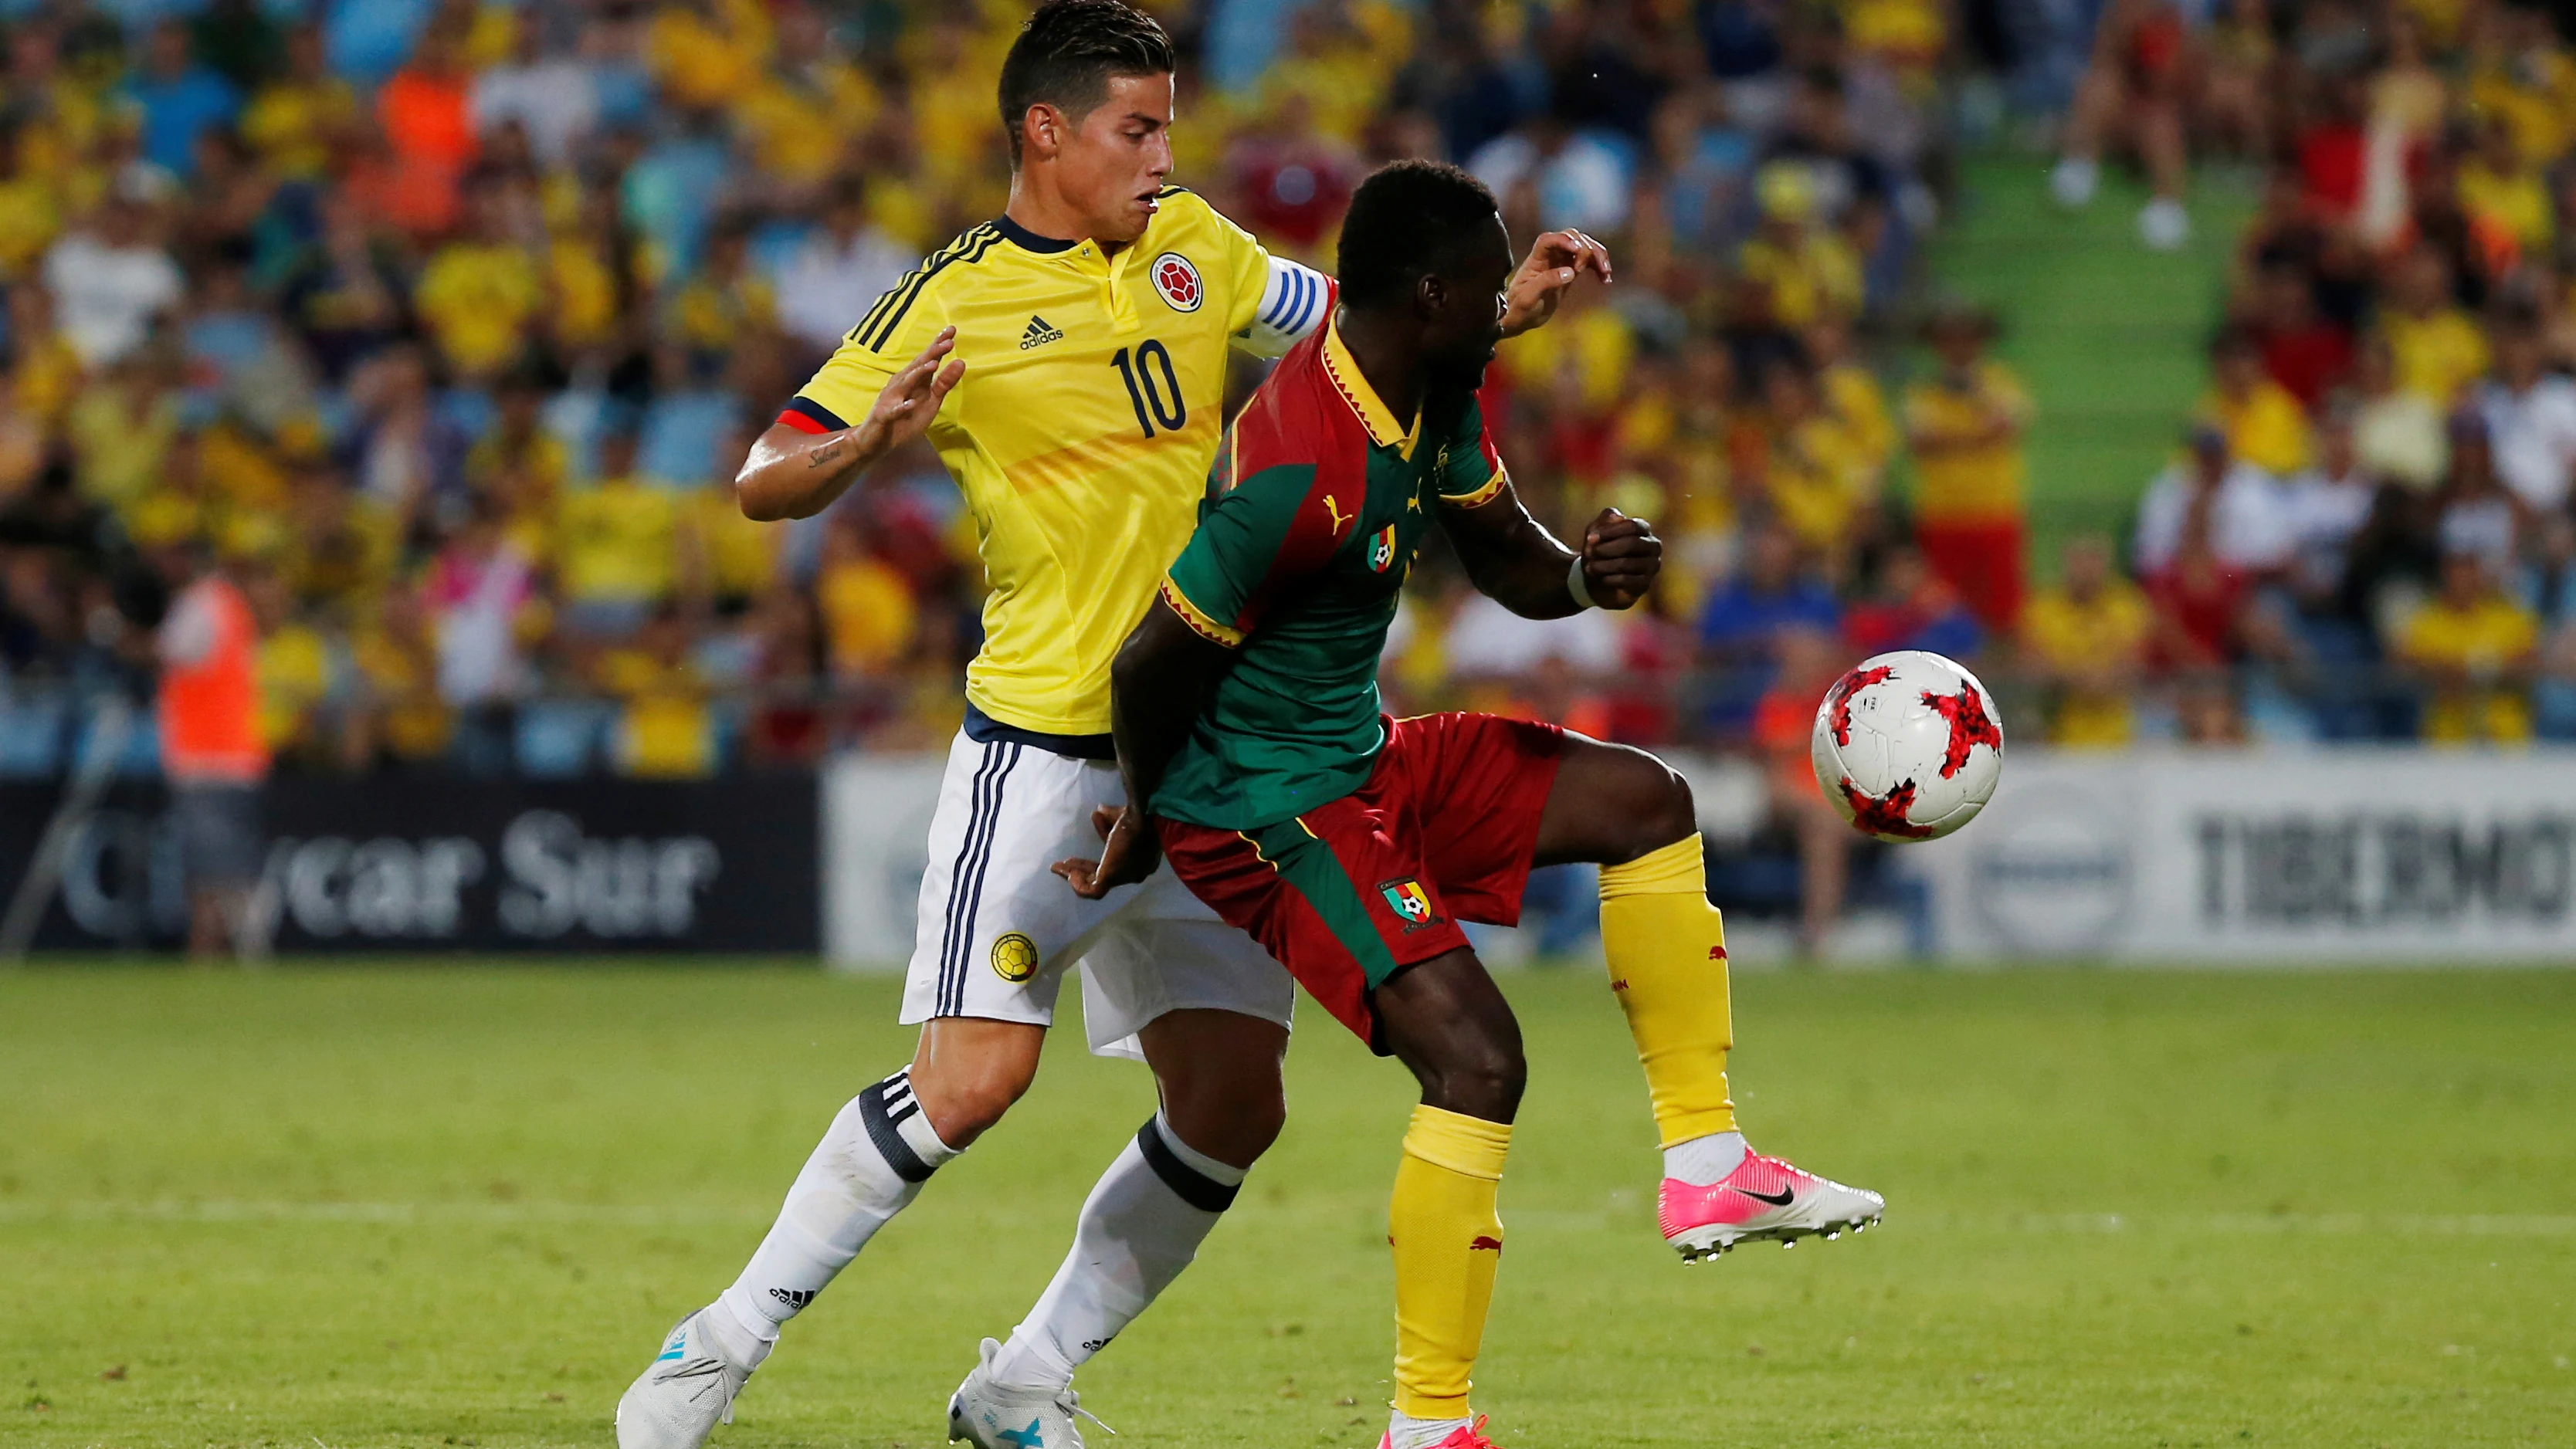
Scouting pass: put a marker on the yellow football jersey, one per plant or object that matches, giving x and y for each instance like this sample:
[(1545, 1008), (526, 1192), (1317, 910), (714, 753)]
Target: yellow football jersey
[(1082, 431)]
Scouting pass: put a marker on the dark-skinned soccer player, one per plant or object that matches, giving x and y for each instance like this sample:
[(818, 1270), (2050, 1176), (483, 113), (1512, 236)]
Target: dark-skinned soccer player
[(1067, 361), (1245, 713)]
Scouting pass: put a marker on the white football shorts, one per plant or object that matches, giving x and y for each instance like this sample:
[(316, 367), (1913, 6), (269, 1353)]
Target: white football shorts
[(998, 929)]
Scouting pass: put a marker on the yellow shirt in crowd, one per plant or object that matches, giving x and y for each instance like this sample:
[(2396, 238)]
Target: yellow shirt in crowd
[(2514, 200), (477, 298), (1819, 477), (47, 377), (2079, 635), (666, 731), (402, 676), (29, 217), (1914, 31), (2486, 636), (1852, 393), (738, 554), (714, 315), (868, 615), (706, 55), (1975, 484), (291, 125), (1819, 275), (294, 678), (1593, 349), (2529, 91), (2436, 356), (797, 127), (583, 293), (2266, 428), (120, 454), (614, 541)]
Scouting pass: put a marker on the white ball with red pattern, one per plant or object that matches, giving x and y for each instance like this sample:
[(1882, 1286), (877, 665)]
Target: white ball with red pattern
[(1908, 746)]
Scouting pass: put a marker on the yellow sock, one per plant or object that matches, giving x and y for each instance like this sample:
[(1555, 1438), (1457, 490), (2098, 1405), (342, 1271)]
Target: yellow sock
[(1448, 1241), (1667, 950)]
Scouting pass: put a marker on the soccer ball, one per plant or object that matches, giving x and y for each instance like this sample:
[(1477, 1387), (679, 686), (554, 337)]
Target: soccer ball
[(1907, 746)]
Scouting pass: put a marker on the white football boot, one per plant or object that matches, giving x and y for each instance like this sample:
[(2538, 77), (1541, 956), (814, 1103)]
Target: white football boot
[(992, 1415), (1764, 1199), (678, 1401)]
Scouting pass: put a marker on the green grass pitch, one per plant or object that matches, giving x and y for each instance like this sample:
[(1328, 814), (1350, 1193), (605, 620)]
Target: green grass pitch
[(449, 1205)]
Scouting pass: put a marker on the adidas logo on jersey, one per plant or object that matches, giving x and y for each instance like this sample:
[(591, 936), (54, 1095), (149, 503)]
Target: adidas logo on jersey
[(1040, 334)]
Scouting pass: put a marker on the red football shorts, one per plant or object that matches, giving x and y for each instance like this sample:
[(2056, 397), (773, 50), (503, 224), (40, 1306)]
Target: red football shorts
[(1351, 892)]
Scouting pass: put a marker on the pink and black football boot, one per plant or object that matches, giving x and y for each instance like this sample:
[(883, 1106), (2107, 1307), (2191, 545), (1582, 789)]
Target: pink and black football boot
[(1764, 1199)]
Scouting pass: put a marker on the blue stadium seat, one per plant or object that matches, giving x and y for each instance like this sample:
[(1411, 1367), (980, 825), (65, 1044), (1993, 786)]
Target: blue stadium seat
[(31, 738), (725, 719), (2553, 703), (680, 435), (560, 739), (368, 40), (574, 418), (469, 410), (140, 757)]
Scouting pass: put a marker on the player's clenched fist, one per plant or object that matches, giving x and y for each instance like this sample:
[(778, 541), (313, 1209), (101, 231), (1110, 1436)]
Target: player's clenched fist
[(1621, 557)]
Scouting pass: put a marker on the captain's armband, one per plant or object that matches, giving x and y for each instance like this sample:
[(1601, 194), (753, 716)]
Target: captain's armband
[(1294, 302)]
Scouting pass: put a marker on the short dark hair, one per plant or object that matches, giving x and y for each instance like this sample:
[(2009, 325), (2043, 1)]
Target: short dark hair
[(1407, 220), (1069, 51)]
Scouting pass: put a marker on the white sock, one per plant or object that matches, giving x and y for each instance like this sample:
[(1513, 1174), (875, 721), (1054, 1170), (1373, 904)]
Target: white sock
[(1140, 1227), (867, 1168), (1408, 1432), (1705, 1160)]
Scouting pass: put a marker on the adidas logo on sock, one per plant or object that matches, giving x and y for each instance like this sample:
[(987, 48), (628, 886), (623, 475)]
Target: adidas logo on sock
[(793, 1297), (1040, 333)]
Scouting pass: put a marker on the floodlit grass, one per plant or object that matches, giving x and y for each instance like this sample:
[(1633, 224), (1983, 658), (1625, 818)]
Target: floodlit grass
[(447, 1205)]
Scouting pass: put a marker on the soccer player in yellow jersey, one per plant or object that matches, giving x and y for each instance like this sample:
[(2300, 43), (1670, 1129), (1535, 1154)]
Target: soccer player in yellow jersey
[(1067, 359)]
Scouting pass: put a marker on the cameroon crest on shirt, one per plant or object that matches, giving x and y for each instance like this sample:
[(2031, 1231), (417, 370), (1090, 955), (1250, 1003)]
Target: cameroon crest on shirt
[(1408, 899), (1382, 549)]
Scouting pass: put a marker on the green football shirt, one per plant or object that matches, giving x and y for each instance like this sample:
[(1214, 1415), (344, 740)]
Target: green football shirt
[(1297, 567)]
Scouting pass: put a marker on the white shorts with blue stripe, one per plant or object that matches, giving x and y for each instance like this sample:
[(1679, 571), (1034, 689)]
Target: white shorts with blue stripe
[(998, 931)]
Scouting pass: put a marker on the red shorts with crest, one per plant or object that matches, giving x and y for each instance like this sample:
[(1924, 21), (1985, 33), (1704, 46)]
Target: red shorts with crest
[(1353, 891)]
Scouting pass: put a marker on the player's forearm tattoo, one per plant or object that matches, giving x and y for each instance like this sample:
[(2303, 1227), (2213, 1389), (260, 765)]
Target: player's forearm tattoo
[(828, 454)]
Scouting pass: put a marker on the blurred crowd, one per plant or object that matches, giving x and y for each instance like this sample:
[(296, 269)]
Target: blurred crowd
[(438, 328), (2366, 533)]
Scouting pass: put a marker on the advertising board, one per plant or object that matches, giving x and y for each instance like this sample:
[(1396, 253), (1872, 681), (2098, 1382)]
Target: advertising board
[(2328, 855), (438, 863)]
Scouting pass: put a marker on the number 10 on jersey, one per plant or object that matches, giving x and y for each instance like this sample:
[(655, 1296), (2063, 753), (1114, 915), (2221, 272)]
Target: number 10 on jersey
[(1152, 386)]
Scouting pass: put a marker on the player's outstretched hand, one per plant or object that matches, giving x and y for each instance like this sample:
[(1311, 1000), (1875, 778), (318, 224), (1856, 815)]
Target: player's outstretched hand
[(911, 398), (1555, 260), (1128, 853), (1621, 557)]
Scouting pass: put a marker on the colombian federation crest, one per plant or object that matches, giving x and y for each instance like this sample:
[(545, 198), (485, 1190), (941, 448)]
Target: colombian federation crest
[(1382, 549), (1015, 957), (1409, 900), (1178, 281)]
